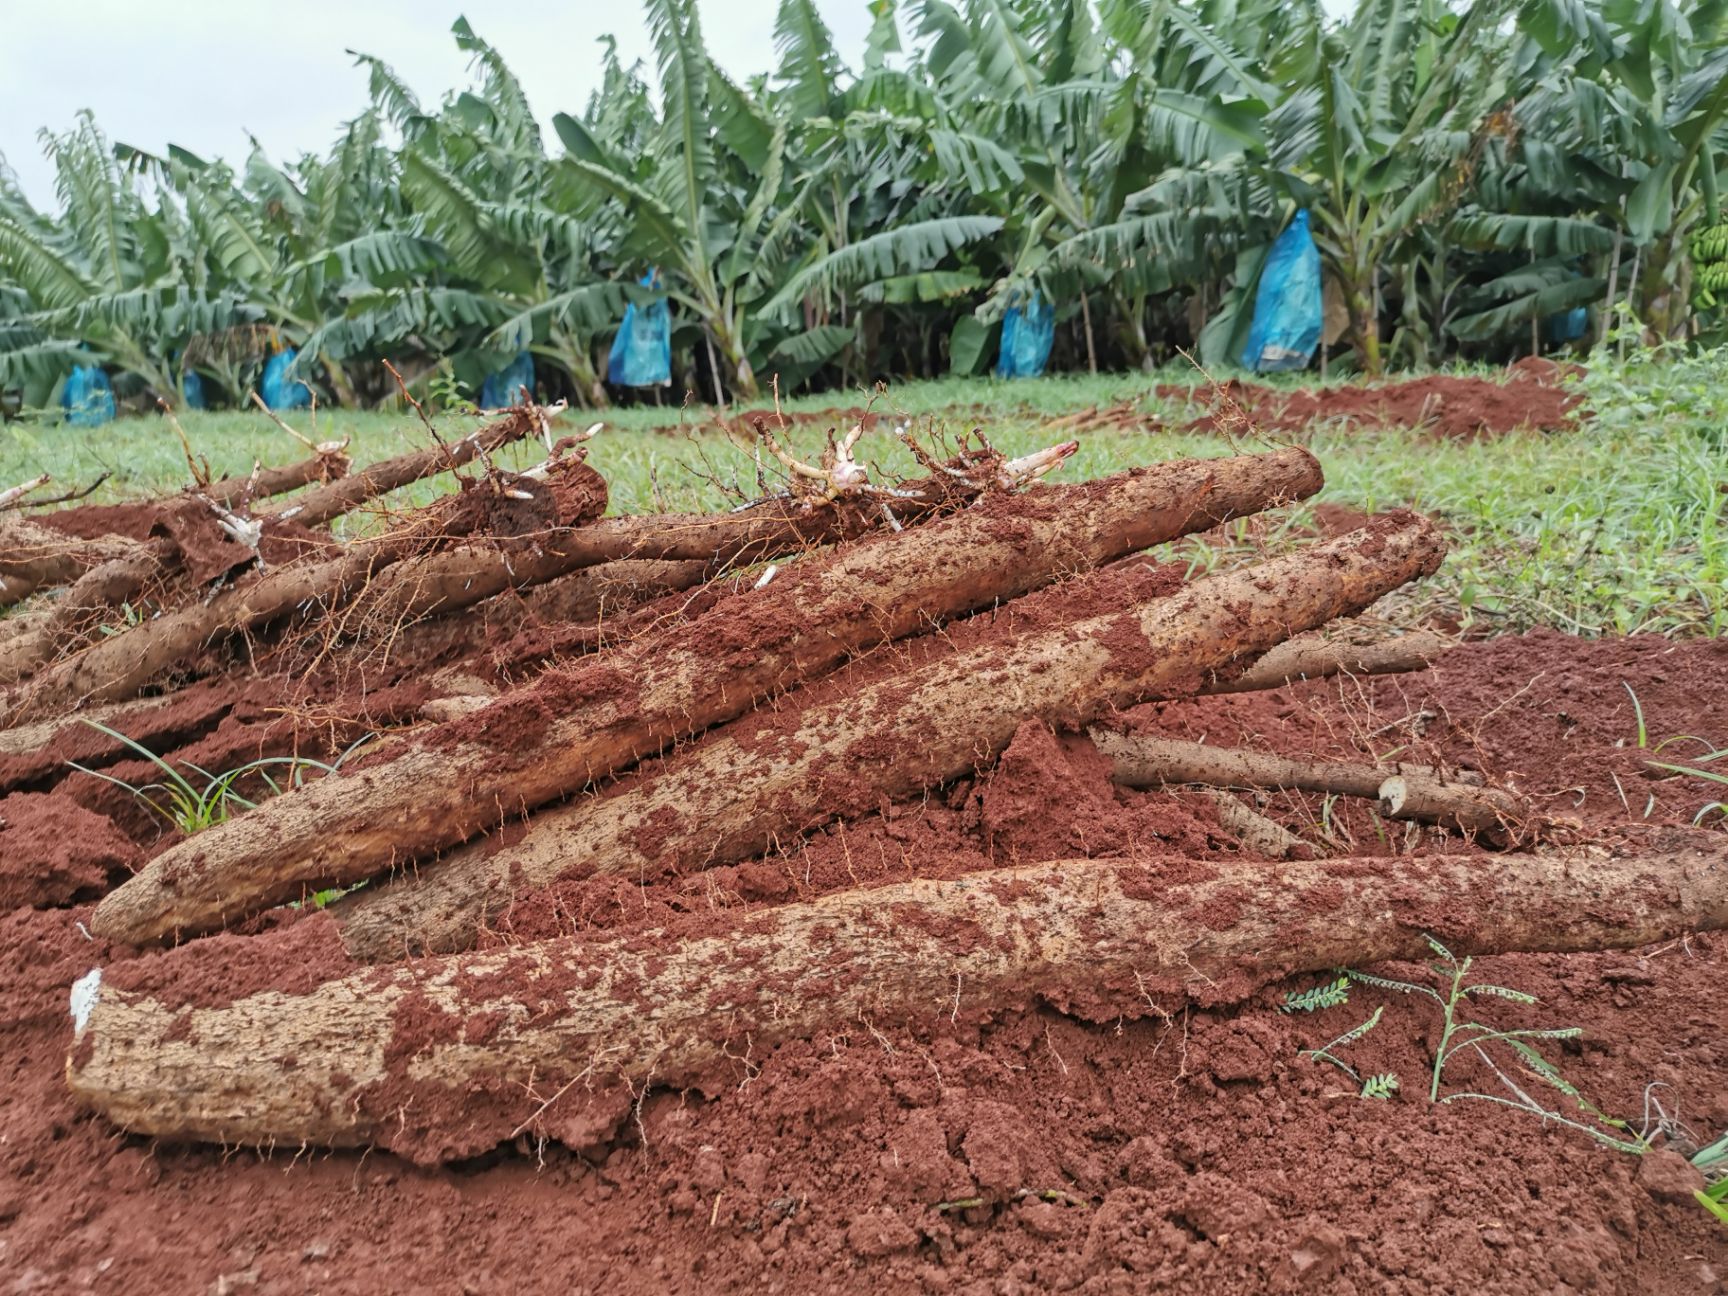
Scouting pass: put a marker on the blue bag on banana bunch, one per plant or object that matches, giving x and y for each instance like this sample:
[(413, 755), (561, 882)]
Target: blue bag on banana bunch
[(1027, 332), (191, 384), (642, 351), (1289, 311), (1566, 326), (504, 388), (87, 397), (282, 388)]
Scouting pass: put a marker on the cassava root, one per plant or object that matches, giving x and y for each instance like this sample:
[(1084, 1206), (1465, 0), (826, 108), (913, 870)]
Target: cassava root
[(1404, 791), (140, 561), (61, 547), (757, 782), (444, 1058), (344, 495), (1321, 656), (606, 712), (1260, 835), (121, 666), (33, 556)]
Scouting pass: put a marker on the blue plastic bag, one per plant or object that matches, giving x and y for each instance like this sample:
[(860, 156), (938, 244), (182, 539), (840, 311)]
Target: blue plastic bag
[(642, 351), (87, 397), (282, 389), (1288, 310), (192, 390), (1027, 332), (504, 388), (1566, 326)]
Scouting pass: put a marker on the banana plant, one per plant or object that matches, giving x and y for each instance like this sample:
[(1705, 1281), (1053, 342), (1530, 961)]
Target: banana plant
[(503, 271), (98, 284), (696, 200), (1469, 170), (1374, 133), (1170, 195), (1628, 114)]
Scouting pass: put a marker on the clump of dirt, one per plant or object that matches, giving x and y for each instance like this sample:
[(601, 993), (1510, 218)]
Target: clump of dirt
[(291, 951), (1050, 797), (1533, 399), (134, 519), (505, 505), (54, 851)]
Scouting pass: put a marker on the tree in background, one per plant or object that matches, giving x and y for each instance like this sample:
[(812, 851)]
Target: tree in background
[(1469, 173)]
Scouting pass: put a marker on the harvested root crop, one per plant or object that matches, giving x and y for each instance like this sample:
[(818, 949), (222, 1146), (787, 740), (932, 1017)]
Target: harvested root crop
[(1321, 656), (745, 787), (578, 608), (33, 556), (1258, 834), (444, 1058), (132, 569), (121, 666), (316, 508), (328, 462), (55, 548), (1409, 792), (582, 723)]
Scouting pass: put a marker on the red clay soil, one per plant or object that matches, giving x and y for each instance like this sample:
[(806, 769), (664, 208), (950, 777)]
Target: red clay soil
[(134, 519), (53, 851), (839, 420), (1532, 399), (1180, 1150)]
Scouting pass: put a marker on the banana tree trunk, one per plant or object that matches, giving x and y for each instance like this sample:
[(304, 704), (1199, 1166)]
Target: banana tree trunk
[(729, 338), (1131, 311), (1364, 322), (339, 384), (579, 364), (1091, 344), (1662, 301), (133, 358)]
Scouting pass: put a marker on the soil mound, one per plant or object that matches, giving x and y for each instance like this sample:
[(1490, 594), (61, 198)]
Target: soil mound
[(1532, 399)]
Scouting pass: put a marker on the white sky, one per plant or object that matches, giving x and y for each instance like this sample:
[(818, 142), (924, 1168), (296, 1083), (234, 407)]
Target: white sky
[(204, 73)]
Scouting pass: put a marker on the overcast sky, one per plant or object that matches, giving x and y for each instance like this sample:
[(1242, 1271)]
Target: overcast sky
[(204, 73)]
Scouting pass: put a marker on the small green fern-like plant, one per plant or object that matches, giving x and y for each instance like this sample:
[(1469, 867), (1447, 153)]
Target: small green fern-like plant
[(1460, 1032), (191, 808), (1329, 1052), (1331, 995), (1382, 1086)]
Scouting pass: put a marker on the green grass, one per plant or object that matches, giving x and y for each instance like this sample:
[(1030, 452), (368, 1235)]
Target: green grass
[(192, 809), (1613, 528)]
